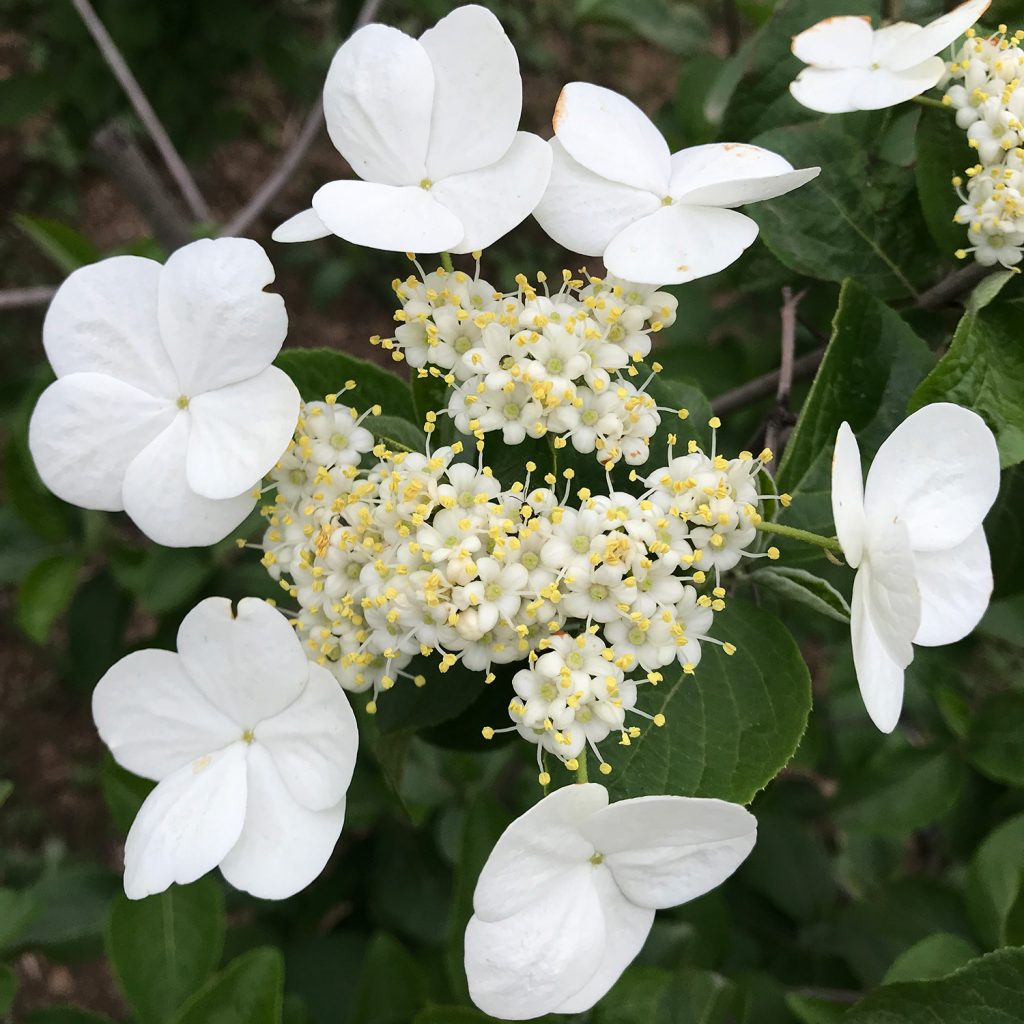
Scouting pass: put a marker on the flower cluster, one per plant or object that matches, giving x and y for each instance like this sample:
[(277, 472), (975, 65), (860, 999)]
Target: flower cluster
[(532, 363), (397, 554), (989, 106)]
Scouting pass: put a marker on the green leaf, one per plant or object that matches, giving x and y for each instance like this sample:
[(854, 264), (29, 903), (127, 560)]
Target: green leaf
[(814, 1009), (444, 696), (8, 987), (993, 885), (392, 430), (6, 789), (995, 740), (803, 587), (46, 515), (97, 620), (687, 996), (68, 248), (164, 947), (942, 152), (45, 595), (250, 990), (732, 726), (872, 365), (321, 371), (984, 371), (123, 792), (65, 1015), (451, 1015), (17, 908), (392, 988), (634, 998), (934, 957), (72, 904), (1004, 527), (986, 991), (162, 579), (989, 289), (678, 28)]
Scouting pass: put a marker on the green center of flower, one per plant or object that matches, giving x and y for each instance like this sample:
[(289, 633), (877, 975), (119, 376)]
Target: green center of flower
[(492, 592), (581, 544), (426, 183), (636, 636), (248, 737), (339, 441), (598, 592), (590, 417), (462, 345), (511, 410), (182, 402), (555, 365), (530, 560)]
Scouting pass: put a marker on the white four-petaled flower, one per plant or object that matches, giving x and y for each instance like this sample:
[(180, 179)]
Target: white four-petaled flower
[(568, 895), (855, 67), (252, 747), (913, 533), (431, 126), (655, 217), (165, 403)]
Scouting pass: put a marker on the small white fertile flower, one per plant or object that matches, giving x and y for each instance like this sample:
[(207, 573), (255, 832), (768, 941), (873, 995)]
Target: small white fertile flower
[(913, 533), (655, 217), (431, 126), (568, 895), (251, 745), (855, 67), (165, 403)]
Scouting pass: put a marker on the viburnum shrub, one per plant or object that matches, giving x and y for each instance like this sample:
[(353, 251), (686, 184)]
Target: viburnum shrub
[(551, 539)]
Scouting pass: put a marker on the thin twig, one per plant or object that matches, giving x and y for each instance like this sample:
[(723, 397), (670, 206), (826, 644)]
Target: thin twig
[(781, 416), (21, 298), (116, 62), (952, 287), (295, 153)]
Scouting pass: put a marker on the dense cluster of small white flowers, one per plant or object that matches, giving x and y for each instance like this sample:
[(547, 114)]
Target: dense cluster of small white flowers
[(392, 555), (531, 363), (989, 105)]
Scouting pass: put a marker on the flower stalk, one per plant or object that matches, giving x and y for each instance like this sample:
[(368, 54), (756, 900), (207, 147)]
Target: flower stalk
[(806, 536)]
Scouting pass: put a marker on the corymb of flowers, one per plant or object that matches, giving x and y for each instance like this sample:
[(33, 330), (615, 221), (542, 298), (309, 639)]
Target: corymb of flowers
[(558, 527)]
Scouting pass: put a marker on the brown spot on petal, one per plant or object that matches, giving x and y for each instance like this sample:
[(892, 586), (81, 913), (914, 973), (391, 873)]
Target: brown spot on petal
[(559, 111)]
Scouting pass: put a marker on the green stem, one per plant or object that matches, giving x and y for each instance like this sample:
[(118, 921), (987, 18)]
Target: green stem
[(554, 456), (927, 101), (581, 770), (446, 262), (828, 543)]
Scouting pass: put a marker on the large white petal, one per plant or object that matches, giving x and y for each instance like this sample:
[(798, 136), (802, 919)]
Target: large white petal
[(304, 226), (890, 38), (187, 824), (955, 587), (150, 714), (478, 93), (313, 742), (842, 42), (490, 202), (103, 319), (667, 850), (218, 324), (583, 211), (678, 244), (932, 38), (730, 174), (377, 102), (611, 136), (893, 598), (529, 964), (830, 91), (848, 495), (879, 677), (938, 471), (397, 219), (883, 88), (239, 432), (626, 928), (247, 662), (283, 845), (534, 854), (85, 431), (161, 503)]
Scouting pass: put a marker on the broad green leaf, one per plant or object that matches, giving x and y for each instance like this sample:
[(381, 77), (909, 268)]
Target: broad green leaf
[(815, 1009), (248, 991), (689, 996), (68, 248), (322, 371), (634, 998), (45, 594), (938, 955), (993, 887), (44, 513), (451, 1015), (17, 907), (859, 218), (162, 579), (312, 968), (8, 987), (20, 547), (984, 371), (678, 28), (65, 1015), (942, 152), (989, 288), (995, 741), (732, 726), (985, 991), (871, 366), (803, 587), (392, 988), (123, 792), (443, 697), (164, 947), (72, 904), (6, 789), (96, 620), (1004, 527), (395, 432)]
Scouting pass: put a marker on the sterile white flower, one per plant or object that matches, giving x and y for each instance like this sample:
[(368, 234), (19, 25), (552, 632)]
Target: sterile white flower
[(913, 533), (165, 403), (431, 126), (252, 747), (568, 895), (855, 67), (655, 217)]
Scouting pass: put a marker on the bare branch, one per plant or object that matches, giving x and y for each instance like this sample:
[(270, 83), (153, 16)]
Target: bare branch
[(117, 64), (781, 417), (952, 287), (761, 387), (22, 298), (295, 153)]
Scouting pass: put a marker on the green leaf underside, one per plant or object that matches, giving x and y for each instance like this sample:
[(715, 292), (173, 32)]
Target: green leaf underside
[(803, 587), (732, 726)]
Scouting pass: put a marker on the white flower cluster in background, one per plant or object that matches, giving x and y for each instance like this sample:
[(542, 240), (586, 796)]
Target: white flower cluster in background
[(397, 554), (989, 106), (531, 363)]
